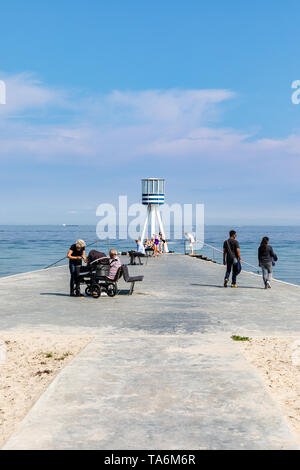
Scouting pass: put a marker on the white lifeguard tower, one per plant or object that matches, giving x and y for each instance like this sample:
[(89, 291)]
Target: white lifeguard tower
[(153, 196)]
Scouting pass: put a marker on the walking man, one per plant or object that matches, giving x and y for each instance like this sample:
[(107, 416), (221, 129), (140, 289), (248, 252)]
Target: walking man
[(232, 258)]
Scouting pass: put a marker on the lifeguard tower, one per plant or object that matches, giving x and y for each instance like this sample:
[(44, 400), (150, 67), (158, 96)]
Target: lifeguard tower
[(153, 196)]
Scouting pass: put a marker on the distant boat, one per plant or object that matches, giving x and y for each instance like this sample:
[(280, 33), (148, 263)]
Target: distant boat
[(64, 225)]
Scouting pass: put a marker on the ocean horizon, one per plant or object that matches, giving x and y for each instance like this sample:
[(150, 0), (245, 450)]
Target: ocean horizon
[(27, 248)]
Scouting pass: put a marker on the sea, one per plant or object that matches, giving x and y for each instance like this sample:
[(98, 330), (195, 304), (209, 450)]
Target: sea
[(34, 247)]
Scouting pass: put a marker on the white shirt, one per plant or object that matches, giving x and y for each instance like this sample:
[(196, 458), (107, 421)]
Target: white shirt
[(140, 248), (190, 237)]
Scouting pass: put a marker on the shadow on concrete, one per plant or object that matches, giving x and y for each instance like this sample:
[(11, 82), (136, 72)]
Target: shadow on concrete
[(126, 292), (229, 287), (123, 292), (120, 292), (54, 293)]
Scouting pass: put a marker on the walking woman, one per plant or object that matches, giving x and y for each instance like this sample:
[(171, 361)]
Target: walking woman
[(266, 260)]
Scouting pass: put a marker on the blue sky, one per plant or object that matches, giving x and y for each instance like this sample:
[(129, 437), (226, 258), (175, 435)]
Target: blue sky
[(101, 94)]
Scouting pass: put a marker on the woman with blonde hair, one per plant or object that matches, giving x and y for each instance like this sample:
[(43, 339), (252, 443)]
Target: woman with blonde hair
[(75, 254)]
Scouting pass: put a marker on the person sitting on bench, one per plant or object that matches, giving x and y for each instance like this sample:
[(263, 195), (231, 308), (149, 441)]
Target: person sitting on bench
[(149, 246), (115, 264), (139, 253)]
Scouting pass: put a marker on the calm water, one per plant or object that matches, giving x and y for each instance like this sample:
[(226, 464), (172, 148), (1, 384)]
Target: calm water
[(27, 248)]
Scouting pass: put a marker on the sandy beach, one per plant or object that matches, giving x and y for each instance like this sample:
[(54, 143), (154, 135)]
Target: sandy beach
[(28, 364), (278, 361)]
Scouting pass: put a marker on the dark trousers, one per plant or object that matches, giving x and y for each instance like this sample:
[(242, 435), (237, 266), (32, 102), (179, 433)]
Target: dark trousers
[(235, 270), (74, 277), (135, 254)]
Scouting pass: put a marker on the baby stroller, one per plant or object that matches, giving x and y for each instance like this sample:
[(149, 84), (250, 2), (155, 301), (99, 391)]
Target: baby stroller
[(94, 276)]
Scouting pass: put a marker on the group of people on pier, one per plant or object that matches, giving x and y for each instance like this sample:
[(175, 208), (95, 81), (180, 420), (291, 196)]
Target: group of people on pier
[(77, 254), (156, 245), (233, 261)]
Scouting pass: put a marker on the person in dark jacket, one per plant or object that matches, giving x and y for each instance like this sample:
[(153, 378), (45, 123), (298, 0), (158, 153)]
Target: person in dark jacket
[(232, 258), (75, 254), (266, 258)]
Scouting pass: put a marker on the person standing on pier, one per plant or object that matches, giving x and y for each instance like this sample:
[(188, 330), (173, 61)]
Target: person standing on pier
[(156, 246), (76, 254), (266, 260), (232, 258), (191, 238), (163, 243)]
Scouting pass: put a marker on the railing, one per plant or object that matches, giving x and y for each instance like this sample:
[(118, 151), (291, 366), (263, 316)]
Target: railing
[(199, 248), (212, 253), (87, 246)]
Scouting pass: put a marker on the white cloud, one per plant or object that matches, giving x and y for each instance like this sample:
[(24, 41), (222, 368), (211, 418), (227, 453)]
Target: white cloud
[(42, 123), (171, 106), (24, 94)]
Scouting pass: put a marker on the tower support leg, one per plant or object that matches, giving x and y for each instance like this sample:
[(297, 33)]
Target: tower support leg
[(145, 225), (161, 228), (153, 214)]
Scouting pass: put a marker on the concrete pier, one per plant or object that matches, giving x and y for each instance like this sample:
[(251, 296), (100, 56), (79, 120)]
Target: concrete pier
[(162, 371)]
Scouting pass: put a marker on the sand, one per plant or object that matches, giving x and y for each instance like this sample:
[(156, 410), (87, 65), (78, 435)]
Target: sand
[(33, 360), (278, 361), (28, 364)]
